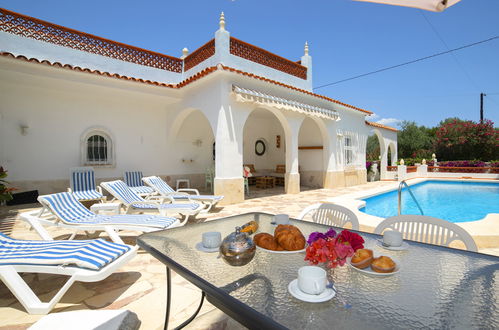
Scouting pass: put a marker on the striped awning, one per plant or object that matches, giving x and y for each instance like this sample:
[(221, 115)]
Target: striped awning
[(267, 100)]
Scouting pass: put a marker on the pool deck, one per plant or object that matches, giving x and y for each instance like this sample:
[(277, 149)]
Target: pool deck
[(140, 285)]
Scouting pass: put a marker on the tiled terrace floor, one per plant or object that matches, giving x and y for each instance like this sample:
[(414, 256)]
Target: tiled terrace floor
[(140, 285)]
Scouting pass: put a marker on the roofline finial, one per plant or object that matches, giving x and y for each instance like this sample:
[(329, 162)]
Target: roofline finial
[(306, 48), (222, 21)]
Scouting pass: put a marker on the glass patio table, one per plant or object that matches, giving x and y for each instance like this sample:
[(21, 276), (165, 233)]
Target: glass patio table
[(436, 287)]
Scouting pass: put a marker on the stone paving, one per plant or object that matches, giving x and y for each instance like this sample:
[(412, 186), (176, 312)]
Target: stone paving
[(140, 286)]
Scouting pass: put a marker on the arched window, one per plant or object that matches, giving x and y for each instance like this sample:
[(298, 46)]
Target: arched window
[(97, 148)]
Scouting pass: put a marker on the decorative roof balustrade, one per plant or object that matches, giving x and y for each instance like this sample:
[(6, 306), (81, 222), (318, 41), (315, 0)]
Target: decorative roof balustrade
[(199, 55), (30, 27), (263, 57)]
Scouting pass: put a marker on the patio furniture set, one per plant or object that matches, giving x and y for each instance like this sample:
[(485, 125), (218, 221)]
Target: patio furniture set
[(434, 286), (266, 180)]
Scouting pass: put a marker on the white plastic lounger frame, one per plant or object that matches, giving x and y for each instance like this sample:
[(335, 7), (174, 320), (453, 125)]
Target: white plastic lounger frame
[(133, 179), (181, 195), (331, 214), (64, 210), (136, 204), (26, 259), (82, 184), (427, 229)]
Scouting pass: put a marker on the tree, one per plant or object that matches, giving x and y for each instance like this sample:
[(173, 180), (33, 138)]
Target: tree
[(414, 141), (372, 148), (466, 140)]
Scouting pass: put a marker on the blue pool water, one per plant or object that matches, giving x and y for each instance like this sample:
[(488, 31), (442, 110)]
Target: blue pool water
[(453, 201)]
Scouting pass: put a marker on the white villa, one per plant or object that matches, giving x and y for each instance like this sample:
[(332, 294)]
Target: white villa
[(72, 99)]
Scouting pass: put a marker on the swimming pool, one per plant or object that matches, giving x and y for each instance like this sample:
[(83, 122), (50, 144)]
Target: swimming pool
[(455, 201)]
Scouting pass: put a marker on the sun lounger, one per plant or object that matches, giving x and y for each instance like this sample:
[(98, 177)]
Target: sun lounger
[(165, 205), (133, 179), (82, 184), (64, 210), (164, 189), (85, 261)]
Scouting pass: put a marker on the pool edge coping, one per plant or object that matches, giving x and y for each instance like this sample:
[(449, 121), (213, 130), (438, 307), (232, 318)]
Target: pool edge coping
[(483, 227)]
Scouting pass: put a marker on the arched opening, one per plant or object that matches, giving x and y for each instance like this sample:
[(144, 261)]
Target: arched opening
[(192, 144), (392, 155), (264, 154), (373, 155), (311, 154)]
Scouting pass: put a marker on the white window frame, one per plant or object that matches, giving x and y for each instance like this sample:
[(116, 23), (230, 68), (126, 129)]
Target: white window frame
[(349, 149), (103, 132)]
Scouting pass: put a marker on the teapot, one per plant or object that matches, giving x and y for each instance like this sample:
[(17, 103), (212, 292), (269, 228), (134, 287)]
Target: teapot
[(237, 249)]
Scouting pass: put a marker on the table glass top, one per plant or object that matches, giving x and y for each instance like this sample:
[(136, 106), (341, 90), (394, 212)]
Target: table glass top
[(436, 287)]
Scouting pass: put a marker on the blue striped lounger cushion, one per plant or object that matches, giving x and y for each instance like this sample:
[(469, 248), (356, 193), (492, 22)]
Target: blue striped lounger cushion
[(68, 209), (91, 254), (198, 197), (183, 206), (87, 195), (142, 190)]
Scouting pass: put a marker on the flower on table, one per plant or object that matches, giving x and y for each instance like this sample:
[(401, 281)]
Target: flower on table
[(331, 248)]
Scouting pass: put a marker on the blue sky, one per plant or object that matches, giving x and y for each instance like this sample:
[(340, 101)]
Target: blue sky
[(346, 38)]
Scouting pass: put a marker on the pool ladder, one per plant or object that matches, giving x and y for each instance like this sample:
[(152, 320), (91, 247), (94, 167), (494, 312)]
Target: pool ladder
[(401, 184)]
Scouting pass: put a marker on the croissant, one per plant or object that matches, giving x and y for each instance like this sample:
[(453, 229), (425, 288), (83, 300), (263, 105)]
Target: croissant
[(289, 237), (266, 241)]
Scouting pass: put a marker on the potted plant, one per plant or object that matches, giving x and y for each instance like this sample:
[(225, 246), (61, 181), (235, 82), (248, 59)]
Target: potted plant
[(5, 194)]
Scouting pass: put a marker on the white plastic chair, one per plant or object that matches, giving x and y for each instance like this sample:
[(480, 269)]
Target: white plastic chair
[(425, 229), (331, 214), (85, 261)]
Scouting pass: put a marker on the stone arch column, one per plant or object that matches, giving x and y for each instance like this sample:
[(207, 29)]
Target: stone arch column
[(383, 152)]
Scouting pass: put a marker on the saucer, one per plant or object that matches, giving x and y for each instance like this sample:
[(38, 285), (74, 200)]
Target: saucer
[(313, 298), (402, 247), (202, 248)]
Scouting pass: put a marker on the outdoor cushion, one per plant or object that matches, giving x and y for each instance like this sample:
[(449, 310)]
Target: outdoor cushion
[(92, 254)]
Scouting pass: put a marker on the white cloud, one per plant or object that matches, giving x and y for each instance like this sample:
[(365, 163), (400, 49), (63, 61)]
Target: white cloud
[(372, 117), (389, 121)]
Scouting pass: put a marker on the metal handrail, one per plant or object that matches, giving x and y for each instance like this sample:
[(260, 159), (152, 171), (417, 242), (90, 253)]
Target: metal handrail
[(402, 183)]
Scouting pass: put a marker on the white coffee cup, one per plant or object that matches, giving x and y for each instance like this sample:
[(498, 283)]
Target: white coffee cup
[(281, 219), (212, 239), (392, 238), (312, 279)]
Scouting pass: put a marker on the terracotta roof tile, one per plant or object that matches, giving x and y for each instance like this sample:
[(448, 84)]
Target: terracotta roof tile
[(185, 82), (370, 123), (296, 89)]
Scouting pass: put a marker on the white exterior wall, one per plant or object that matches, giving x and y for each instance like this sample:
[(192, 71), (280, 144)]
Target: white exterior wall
[(58, 113), (40, 50)]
